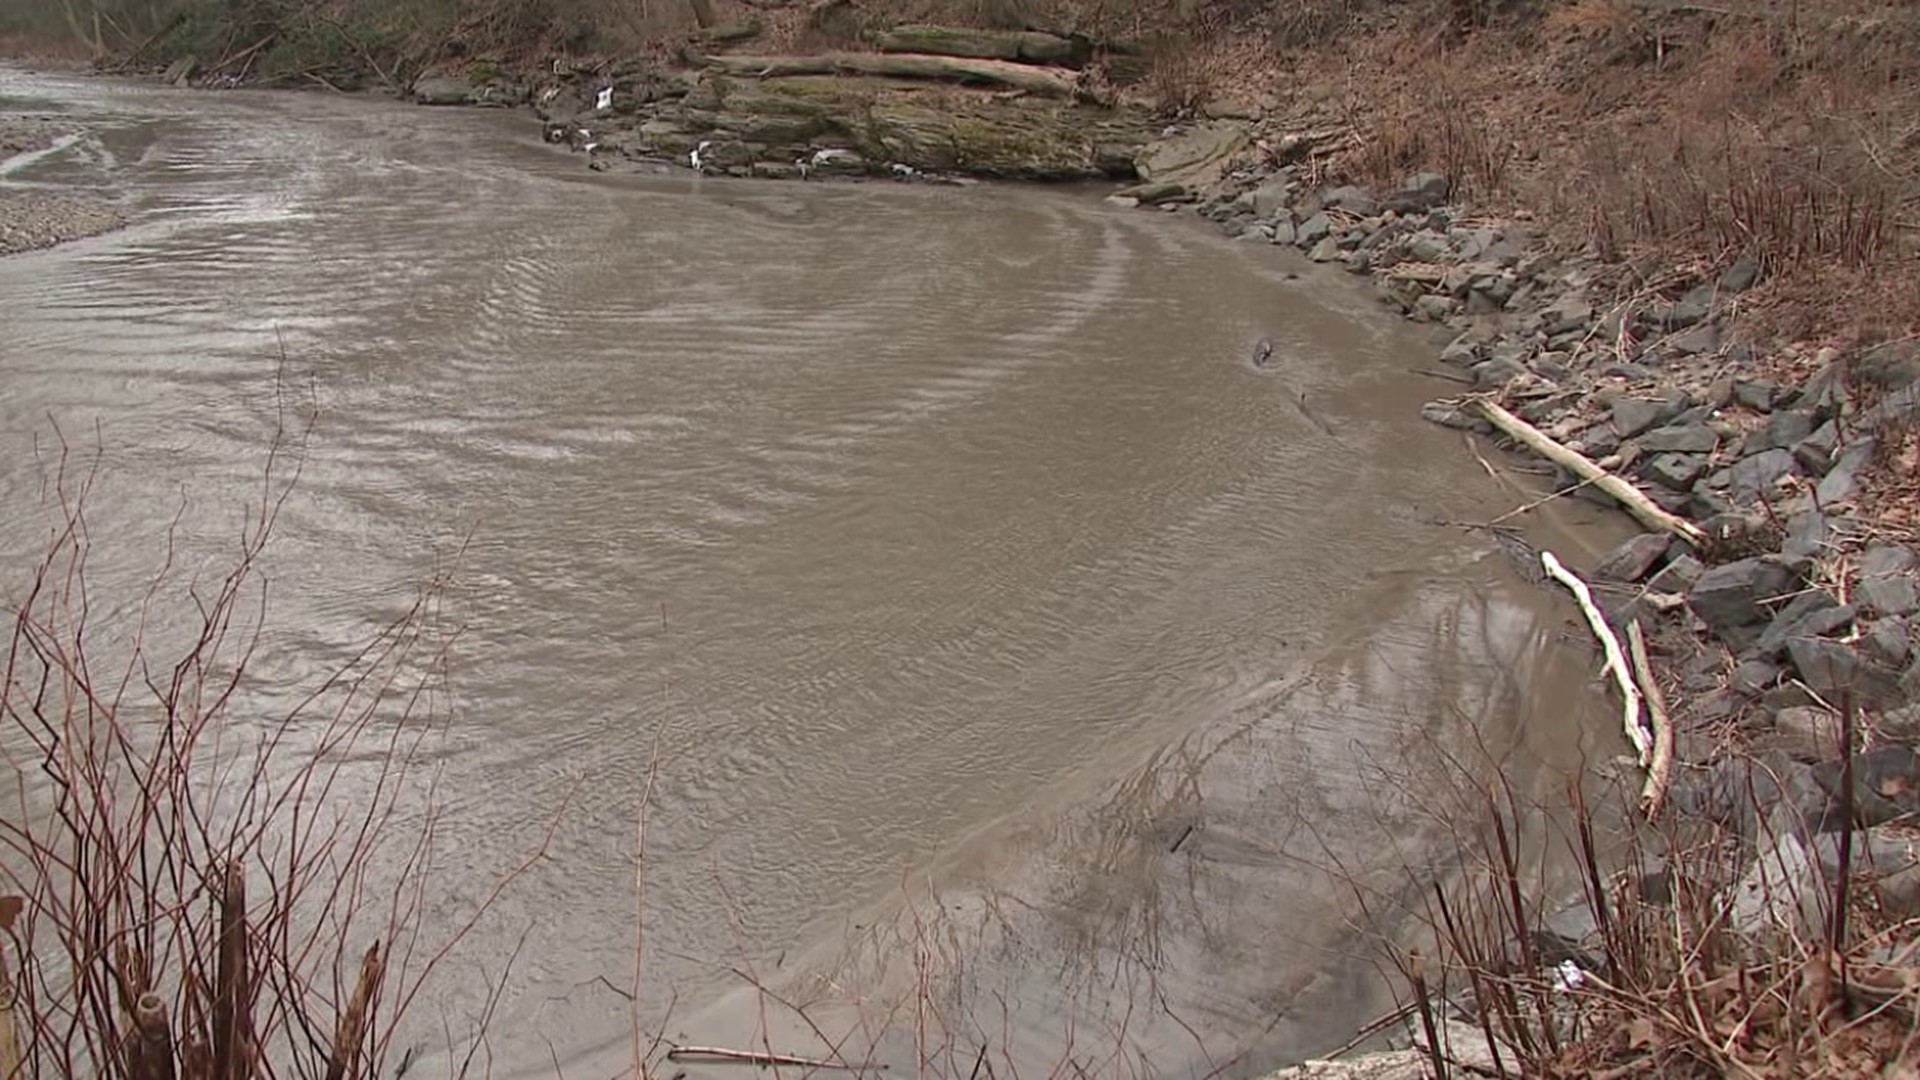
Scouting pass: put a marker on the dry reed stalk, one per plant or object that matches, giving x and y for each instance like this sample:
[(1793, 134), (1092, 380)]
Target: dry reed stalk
[(136, 817)]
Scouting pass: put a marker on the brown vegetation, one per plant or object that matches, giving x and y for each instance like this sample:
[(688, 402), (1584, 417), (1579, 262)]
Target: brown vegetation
[(190, 886), (1709, 955)]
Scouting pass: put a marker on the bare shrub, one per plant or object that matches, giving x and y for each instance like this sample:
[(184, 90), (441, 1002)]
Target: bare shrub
[(1431, 124), (193, 886), (1739, 941), (1182, 74), (1299, 24)]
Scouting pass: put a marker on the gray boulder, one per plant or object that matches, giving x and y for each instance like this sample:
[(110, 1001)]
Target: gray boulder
[(1893, 365), (1448, 414), (1886, 580), (1313, 230), (1888, 643), (1756, 394), (1752, 477), (1354, 200), (1632, 415), (1631, 560), (1680, 438), (1744, 274), (1810, 614), (1732, 597), (1783, 429), (1676, 472), (1842, 481), (442, 90), (1836, 671), (1422, 191), (1269, 199)]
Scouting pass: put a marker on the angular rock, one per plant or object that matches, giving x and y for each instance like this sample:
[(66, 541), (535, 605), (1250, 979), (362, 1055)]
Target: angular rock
[(1886, 580), (1564, 314), (442, 90), (1680, 438), (1327, 250), (1732, 596), (1893, 365), (1759, 475), (1354, 200), (1197, 157), (1154, 193), (1284, 232), (1421, 192), (1784, 429), (1744, 274), (1815, 452), (1690, 309), (1886, 787), (1631, 560), (1269, 199), (1755, 394), (1676, 472), (1781, 892), (1448, 414), (1888, 643), (1842, 481), (1313, 230), (1810, 728), (1836, 672), (1807, 536), (1678, 576), (1810, 614), (1751, 678), (1632, 415)]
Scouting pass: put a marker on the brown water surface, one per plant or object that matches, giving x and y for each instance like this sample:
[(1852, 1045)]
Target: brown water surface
[(982, 603)]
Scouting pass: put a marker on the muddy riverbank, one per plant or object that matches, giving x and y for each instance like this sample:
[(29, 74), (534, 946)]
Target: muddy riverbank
[(33, 219)]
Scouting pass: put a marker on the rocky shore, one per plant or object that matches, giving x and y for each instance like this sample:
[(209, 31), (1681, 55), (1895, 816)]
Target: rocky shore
[(31, 219)]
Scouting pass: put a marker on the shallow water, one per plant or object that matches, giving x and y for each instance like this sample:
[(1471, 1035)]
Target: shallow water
[(939, 547)]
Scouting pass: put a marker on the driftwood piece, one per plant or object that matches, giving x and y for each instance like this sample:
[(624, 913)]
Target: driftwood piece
[(722, 1054), (900, 66), (1024, 46), (10, 1060), (1635, 501), (1653, 793), (1616, 656)]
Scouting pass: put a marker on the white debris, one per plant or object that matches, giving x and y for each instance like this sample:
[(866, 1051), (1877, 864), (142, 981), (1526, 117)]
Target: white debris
[(695, 158), (1568, 977), (604, 100)]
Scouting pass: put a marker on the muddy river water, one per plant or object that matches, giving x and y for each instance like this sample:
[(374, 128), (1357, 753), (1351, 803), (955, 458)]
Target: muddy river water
[(1011, 658)]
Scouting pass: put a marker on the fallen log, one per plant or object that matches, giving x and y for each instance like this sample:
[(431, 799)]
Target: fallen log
[(900, 66), (1617, 666), (1630, 497), (1660, 772), (1026, 46)]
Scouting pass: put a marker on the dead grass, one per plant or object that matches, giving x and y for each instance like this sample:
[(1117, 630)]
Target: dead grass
[(1676, 136), (1668, 982)]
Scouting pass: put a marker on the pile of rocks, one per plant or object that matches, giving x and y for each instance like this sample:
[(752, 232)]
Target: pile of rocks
[(1808, 603)]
